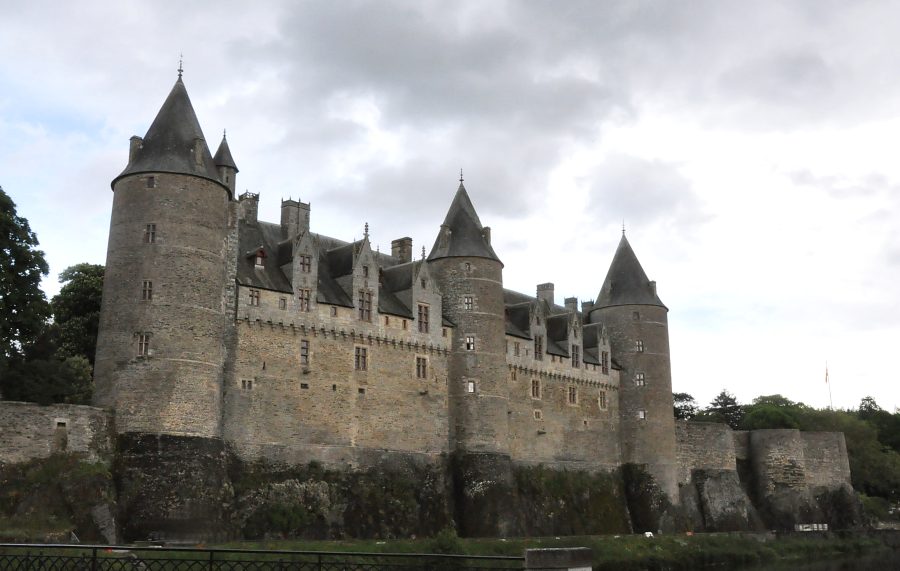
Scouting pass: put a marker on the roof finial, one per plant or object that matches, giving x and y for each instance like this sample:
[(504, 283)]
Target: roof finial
[(224, 133), (366, 230), (623, 227), (180, 66), (423, 251), (460, 175)]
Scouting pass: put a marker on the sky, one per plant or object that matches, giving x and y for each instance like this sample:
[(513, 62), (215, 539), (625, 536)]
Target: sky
[(749, 148)]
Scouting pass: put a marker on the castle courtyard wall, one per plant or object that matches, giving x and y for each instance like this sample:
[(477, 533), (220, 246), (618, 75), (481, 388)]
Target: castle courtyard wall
[(705, 446), (827, 463), (29, 431)]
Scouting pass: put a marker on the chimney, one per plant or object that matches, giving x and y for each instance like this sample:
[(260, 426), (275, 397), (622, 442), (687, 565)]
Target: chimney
[(290, 218), (249, 206), (587, 306), (486, 232), (545, 292), (136, 144), (571, 304), (653, 287), (401, 248)]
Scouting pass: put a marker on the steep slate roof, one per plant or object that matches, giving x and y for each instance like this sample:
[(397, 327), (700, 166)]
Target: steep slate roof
[(267, 236), (223, 156), (168, 145), (466, 232), (518, 320), (626, 283), (558, 335)]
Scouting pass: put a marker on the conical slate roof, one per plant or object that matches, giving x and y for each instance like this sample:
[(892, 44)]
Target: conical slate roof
[(168, 145), (223, 156), (626, 283), (466, 238)]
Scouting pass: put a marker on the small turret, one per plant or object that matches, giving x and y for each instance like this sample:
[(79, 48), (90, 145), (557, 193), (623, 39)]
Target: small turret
[(225, 164)]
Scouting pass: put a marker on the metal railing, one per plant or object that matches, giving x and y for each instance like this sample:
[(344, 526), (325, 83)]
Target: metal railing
[(36, 557)]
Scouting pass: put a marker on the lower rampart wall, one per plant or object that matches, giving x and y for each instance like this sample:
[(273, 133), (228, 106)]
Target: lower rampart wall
[(29, 431), (703, 445)]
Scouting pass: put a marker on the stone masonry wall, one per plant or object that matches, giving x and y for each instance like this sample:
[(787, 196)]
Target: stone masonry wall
[(29, 431), (827, 464), (778, 461), (705, 446)]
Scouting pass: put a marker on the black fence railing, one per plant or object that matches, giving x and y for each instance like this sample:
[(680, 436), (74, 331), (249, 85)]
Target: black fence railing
[(18, 557)]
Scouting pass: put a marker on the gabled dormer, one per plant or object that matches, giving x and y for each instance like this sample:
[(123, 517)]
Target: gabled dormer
[(304, 271), (365, 279), (426, 299)]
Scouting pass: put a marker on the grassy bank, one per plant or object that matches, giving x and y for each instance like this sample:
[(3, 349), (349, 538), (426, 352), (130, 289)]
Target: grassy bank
[(621, 553)]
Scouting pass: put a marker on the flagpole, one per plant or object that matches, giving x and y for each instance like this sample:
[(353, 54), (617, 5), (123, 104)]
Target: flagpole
[(830, 402)]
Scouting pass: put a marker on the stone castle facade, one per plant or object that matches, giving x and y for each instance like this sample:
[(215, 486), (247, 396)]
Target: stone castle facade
[(225, 338)]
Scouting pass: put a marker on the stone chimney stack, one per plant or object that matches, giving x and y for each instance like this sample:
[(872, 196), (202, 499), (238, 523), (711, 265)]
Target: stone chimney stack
[(572, 304), (401, 248), (486, 232), (136, 144), (545, 292)]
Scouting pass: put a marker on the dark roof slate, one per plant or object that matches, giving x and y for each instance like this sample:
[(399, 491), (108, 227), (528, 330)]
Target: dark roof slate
[(168, 145), (466, 237), (518, 320), (270, 276), (626, 283)]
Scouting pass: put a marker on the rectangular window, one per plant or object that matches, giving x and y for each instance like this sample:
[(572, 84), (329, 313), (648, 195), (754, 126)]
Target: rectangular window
[(470, 343), (604, 362), (333, 311), (535, 388), (304, 352), (423, 318), (282, 303), (150, 234), (304, 385), (470, 386), (517, 348), (304, 296), (538, 347), (538, 415), (576, 356), (512, 375), (147, 290), (403, 323), (143, 344), (361, 359), (573, 395), (642, 415), (601, 400), (639, 380), (151, 182), (443, 332), (305, 264), (365, 271), (254, 297), (468, 302), (247, 385), (365, 305), (639, 346), (421, 367)]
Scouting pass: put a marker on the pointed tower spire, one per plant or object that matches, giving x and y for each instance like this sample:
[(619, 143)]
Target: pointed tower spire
[(462, 234), (626, 282)]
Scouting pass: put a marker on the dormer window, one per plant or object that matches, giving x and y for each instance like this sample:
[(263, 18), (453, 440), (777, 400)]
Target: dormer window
[(365, 270), (259, 258)]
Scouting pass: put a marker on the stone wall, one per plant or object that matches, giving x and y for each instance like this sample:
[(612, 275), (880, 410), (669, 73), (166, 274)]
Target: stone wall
[(827, 464), (703, 445), (29, 431)]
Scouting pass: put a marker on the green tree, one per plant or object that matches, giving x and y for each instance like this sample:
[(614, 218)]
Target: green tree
[(76, 310), (725, 406), (23, 306), (685, 406)]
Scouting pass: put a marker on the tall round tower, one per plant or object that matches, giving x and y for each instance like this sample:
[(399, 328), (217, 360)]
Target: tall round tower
[(160, 348), (639, 337), (471, 280)]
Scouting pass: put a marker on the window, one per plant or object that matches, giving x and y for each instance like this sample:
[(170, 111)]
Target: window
[(604, 362), (443, 332), (387, 320), (304, 296), (304, 385), (365, 271), (573, 395), (60, 424), (305, 263), (365, 305), (535, 388), (576, 356), (403, 322), (636, 315), (538, 415), (601, 400), (143, 344), (639, 346), (151, 182), (421, 367), (147, 290), (470, 343), (150, 234), (468, 302), (538, 347), (470, 386), (639, 380), (424, 283), (468, 267), (642, 415), (361, 359), (517, 348), (254, 297), (260, 257), (282, 303), (304, 352), (512, 375), (333, 311), (247, 384), (423, 318), (361, 391)]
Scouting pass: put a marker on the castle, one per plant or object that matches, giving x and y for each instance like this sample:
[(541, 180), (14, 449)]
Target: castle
[(229, 341)]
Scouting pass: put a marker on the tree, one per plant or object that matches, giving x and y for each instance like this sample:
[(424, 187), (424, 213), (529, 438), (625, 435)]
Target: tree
[(685, 406), (23, 307), (726, 406), (76, 310)]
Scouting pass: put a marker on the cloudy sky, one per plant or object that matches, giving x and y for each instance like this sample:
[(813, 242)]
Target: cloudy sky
[(749, 147)]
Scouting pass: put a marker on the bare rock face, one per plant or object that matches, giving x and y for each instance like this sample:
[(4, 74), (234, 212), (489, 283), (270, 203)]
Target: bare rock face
[(723, 503)]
